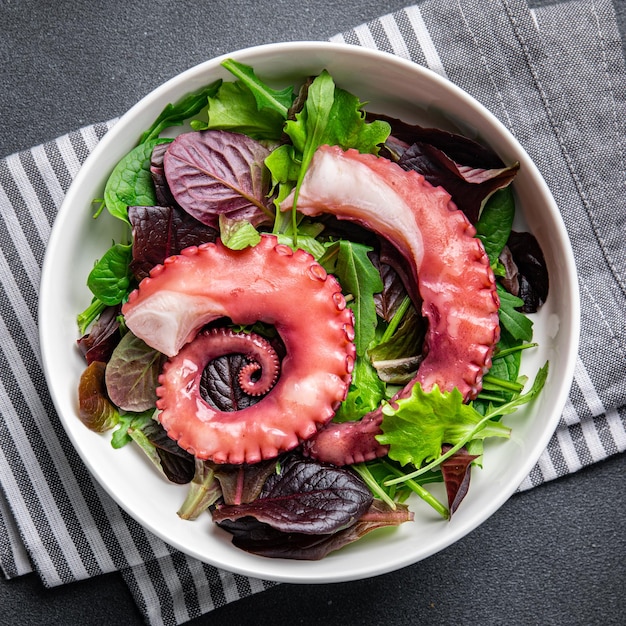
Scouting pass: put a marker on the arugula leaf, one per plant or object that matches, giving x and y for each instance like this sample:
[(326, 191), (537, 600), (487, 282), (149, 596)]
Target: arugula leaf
[(416, 427), (335, 117), (520, 326), (365, 394), (234, 108), (360, 278), (176, 114), (265, 96), (109, 280)]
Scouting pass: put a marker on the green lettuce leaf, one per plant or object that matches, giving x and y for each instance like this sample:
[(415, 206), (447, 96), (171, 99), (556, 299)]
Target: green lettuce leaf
[(416, 427)]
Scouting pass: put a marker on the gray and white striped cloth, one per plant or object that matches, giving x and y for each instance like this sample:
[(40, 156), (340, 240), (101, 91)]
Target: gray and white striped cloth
[(554, 77)]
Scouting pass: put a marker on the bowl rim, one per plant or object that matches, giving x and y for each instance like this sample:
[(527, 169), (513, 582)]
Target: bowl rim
[(300, 575)]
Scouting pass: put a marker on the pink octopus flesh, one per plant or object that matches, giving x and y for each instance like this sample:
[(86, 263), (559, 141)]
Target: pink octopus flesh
[(270, 283), (450, 270)]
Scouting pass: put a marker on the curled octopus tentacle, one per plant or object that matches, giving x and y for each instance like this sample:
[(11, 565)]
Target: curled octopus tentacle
[(269, 283), (255, 378), (450, 271)]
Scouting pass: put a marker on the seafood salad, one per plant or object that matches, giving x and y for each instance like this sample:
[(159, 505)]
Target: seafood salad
[(316, 312)]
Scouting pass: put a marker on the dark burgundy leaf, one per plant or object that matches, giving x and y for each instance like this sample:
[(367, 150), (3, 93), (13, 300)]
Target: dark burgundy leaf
[(177, 464), (510, 280), (389, 255), (263, 540), (164, 196), (219, 384), (160, 232), (305, 497), (243, 483), (456, 473), (217, 172), (99, 344), (532, 270), (468, 185), (457, 147), (392, 295)]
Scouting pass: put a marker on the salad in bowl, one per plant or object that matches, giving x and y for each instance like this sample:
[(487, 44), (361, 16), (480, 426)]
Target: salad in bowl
[(323, 308)]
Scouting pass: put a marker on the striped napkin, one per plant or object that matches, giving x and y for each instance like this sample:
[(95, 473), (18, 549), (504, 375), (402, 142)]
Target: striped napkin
[(555, 77)]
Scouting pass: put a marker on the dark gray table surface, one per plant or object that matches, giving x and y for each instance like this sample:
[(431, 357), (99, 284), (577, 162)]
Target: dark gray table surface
[(553, 555)]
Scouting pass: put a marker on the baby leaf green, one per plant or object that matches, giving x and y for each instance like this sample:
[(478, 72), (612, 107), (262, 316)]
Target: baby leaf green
[(494, 225), (109, 280), (416, 427), (234, 108), (176, 114), (130, 182), (359, 278), (265, 96), (519, 325)]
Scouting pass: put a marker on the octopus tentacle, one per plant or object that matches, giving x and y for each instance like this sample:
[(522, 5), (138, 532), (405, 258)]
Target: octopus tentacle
[(449, 266), (255, 378), (269, 283)]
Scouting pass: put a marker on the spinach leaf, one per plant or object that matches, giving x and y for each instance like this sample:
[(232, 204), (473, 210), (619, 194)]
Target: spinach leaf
[(494, 225), (110, 278), (130, 182)]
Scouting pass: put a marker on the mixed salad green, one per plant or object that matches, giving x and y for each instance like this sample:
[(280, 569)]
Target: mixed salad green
[(432, 436)]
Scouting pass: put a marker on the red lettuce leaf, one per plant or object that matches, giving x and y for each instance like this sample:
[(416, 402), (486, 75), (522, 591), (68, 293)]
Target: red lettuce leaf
[(532, 271), (456, 472), (253, 536), (160, 232), (177, 464), (217, 172), (305, 497), (95, 410), (164, 196), (469, 186), (459, 148), (99, 343)]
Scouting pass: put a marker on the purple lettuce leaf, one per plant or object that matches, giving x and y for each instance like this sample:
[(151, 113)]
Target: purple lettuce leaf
[(305, 497), (160, 232), (253, 536), (459, 148), (164, 196), (456, 472), (99, 343), (532, 271), (177, 464), (217, 172), (219, 384), (469, 186)]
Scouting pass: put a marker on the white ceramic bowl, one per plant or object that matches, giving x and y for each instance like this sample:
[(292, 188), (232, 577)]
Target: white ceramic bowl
[(390, 85)]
